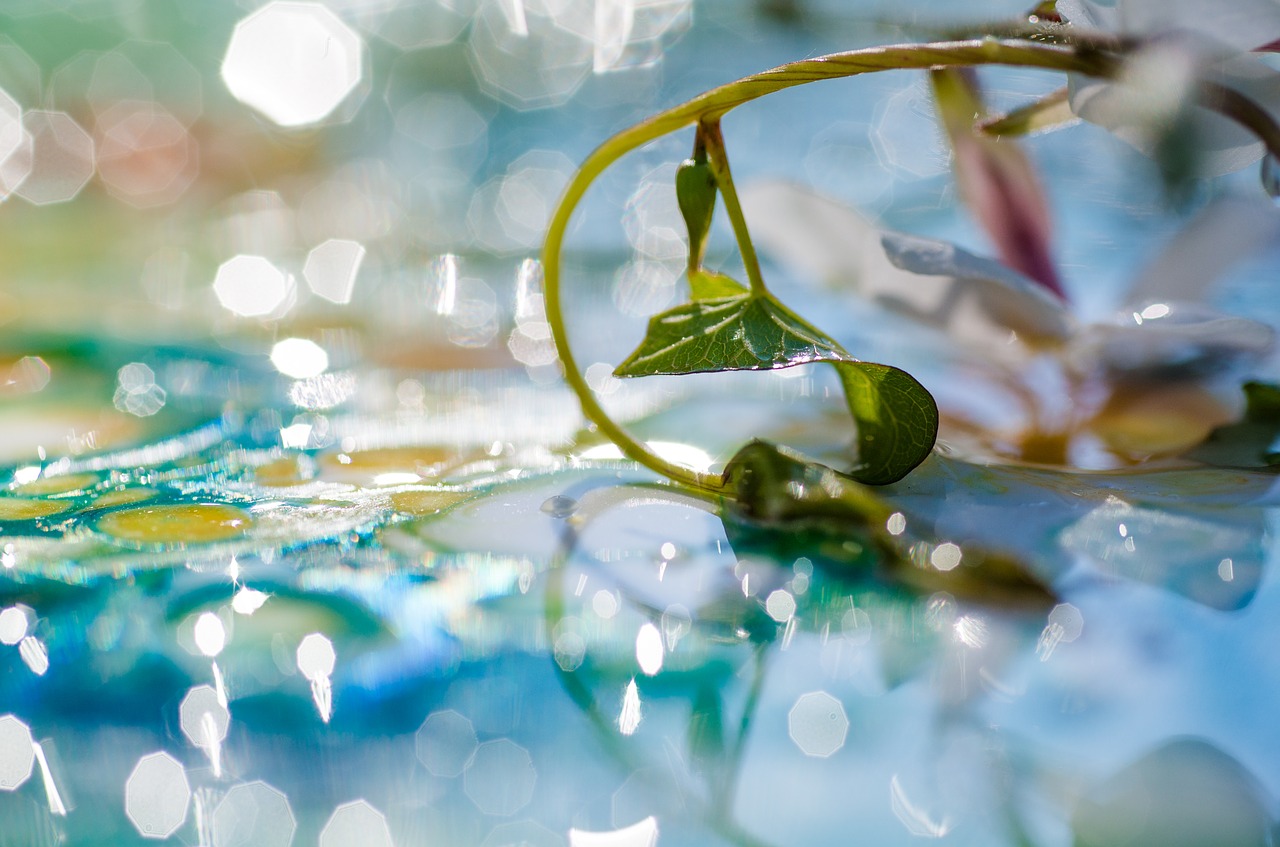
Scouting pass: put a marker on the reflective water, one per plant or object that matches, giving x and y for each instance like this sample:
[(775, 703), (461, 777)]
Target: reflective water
[(301, 542)]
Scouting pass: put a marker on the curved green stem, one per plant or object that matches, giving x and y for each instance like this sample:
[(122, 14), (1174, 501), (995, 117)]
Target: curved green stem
[(709, 130), (709, 108)]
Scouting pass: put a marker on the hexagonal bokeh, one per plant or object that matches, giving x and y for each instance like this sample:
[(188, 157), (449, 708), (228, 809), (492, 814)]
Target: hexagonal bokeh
[(251, 286), (316, 657), (356, 824), (500, 778), (19, 71), (203, 717), (413, 26), (62, 158), (14, 623), (17, 753), (253, 815), (445, 743), (905, 135), (294, 62), (817, 724), (510, 212), (524, 59), (146, 157), (331, 269), (15, 146), (157, 795), (177, 83)]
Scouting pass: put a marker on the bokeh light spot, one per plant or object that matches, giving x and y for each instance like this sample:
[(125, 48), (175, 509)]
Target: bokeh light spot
[(293, 62)]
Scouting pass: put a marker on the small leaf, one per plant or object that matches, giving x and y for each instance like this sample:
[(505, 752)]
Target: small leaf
[(696, 194), (1050, 112), (897, 420), (708, 285), (896, 416)]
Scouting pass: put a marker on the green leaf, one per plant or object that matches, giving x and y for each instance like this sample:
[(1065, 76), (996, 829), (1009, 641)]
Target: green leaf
[(696, 194), (1251, 441), (1262, 402), (745, 332), (897, 418), (775, 487), (709, 285)]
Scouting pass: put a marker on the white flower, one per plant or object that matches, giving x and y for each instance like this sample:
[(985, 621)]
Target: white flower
[(1186, 43), (1163, 343)]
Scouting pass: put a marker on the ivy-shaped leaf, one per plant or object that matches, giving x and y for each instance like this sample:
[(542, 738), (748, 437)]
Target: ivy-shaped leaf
[(897, 418)]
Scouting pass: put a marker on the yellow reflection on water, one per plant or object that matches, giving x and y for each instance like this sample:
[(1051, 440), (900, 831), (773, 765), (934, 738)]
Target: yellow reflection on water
[(177, 524)]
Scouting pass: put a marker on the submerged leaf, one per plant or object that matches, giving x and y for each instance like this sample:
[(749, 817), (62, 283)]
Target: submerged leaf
[(1252, 441), (776, 487), (896, 416)]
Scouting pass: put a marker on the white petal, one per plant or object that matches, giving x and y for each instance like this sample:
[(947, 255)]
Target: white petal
[(821, 238), (1085, 13), (1225, 232), (1155, 87), (1003, 296), (1174, 340), (1239, 24)]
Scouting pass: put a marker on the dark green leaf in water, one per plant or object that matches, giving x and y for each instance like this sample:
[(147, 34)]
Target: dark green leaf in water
[(897, 418), (1262, 402), (696, 194), (1250, 442), (708, 285), (776, 487), (706, 729)]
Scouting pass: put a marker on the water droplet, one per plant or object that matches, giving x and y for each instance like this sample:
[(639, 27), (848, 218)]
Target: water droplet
[(560, 506)]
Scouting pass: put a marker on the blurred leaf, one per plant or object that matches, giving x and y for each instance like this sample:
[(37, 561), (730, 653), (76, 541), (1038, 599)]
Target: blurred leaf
[(1050, 112), (776, 487), (1252, 441), (996, 180), (706, 729), (897, 418), (1262, 402)]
